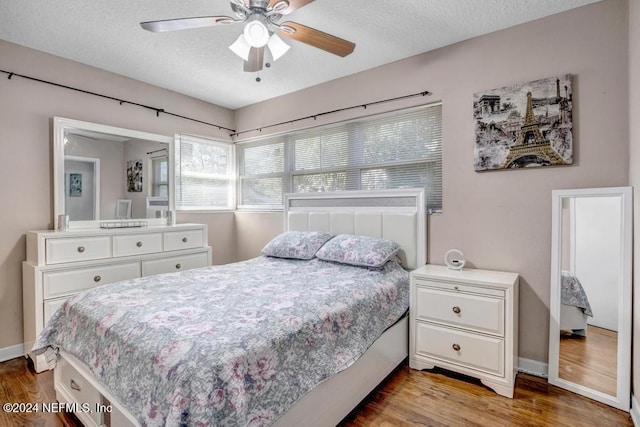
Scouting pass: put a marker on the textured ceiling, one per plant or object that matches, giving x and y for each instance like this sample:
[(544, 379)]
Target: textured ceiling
[(106, 34)]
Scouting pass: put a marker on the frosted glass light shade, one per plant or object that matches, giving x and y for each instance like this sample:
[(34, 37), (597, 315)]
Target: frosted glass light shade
[(256, 34), (241, 48), (277, 47)]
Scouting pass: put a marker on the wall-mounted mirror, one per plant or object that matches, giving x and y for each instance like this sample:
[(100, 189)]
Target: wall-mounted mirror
[(590, 305), (96, 165)]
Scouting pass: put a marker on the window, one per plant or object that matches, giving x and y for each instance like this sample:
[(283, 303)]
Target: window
[(394, 150), (261, 168), (160, 177), (204, 174)]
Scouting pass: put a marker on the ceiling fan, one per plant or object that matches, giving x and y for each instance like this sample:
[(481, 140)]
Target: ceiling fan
[(261, 30)]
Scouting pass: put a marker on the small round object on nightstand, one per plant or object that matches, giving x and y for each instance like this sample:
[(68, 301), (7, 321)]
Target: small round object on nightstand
[(454, 259)]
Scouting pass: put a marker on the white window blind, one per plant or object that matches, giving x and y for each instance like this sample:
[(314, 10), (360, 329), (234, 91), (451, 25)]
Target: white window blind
[(396, 150), (261, 176), (204, 174)]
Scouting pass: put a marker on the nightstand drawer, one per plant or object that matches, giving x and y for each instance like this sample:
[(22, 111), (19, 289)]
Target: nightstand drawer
[(77, 249), (137, 244), (460, 287), (69, 282), (470, 350), (470, 311)]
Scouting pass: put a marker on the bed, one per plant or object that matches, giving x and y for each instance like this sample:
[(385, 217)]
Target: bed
[(575, 309), (279, 389)]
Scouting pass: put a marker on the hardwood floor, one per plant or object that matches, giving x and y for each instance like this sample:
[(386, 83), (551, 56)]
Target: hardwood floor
[(406, 398), (440, 398), (590, 360), (19, 384)]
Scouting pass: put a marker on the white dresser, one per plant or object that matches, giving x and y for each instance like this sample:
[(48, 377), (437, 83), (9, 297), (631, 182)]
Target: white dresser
[(61, 264), (465, 321)]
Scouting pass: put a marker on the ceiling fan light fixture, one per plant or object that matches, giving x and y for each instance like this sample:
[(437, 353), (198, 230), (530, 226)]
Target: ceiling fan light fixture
[(256, 32), (241, 48), (277, 47)]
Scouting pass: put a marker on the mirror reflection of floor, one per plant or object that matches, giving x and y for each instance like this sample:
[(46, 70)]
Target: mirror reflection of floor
[(590, 361)]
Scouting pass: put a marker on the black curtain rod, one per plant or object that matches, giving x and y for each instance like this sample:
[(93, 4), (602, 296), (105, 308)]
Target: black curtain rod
[(156, 151), (315, 116), (121, 101)]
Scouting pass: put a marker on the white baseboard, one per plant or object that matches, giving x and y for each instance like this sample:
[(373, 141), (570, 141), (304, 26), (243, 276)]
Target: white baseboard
[(7, 353), (635, 410), (533, 367)]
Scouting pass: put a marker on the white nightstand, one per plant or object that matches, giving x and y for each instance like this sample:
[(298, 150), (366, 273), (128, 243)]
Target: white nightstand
[(465, 321)]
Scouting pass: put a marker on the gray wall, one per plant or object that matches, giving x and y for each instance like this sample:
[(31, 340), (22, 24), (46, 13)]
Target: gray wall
[(26, 111), (500, 219)]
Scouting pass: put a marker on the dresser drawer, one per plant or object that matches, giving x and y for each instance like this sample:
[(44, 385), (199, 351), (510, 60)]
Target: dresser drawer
[(188, 239), (51, 306), (471, 311), (462, 348), (137, 244), (69, 282), (77, 249), (173, 264)]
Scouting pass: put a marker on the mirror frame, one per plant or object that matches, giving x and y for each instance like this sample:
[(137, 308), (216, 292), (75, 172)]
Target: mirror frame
[(61, 126), (622, 399)]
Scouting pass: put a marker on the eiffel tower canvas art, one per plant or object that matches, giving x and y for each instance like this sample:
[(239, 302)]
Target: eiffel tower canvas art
[(524, 125)]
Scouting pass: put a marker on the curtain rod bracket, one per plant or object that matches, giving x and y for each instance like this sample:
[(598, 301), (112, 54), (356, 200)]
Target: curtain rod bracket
[(10, 75)]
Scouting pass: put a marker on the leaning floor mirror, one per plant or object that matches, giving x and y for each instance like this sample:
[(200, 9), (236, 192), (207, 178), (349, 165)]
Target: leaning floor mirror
[(590, 303)]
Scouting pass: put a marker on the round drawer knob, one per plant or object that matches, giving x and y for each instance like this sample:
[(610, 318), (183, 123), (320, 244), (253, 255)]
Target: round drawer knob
[(456, 310), (139, 244), (184, 240), (97, 278), (81, 249), (456, 347), (178, 266)]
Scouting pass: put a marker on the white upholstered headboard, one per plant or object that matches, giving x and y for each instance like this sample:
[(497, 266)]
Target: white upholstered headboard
[(397, 215)]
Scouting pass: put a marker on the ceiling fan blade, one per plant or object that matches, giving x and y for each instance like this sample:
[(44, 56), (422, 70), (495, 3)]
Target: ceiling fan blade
[(293, 5), (185, 23), (255, 61), (317, 38)]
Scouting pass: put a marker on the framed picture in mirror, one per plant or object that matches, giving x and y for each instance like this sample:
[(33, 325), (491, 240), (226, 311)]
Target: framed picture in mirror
[(75, 185)]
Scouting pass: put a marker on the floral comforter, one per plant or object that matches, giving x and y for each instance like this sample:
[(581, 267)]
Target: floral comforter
[(228, 345), (572, 293)]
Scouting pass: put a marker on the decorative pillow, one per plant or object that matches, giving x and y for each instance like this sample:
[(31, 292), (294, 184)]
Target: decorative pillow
[(365, 251), (296, 244)]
